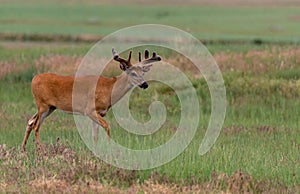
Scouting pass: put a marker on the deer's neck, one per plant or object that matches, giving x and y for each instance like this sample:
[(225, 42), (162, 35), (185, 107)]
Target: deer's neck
[(120, 88)]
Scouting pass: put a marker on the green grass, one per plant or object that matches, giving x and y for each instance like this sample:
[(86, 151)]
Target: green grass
[(260, 135), (205, 22)]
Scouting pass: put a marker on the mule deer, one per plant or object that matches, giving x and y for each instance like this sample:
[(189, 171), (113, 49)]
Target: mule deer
[(52, 92)]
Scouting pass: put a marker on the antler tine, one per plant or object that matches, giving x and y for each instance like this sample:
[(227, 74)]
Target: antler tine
[(117, 58), (115, 54), (129, 56), (140, 56), (153, 54), (124, 64), (154, 58), (146, 54)]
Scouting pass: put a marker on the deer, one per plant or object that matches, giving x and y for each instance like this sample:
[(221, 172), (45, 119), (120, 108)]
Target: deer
[(52, 91)]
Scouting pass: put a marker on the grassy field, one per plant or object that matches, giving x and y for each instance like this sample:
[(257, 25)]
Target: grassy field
[(258, 149), (259, 145), (204, 22)]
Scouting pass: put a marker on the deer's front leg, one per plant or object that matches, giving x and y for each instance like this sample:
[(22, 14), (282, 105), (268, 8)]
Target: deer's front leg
[(99, 120)]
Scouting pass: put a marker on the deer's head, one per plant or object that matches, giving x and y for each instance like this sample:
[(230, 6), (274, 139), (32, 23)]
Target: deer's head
[(136, 72)]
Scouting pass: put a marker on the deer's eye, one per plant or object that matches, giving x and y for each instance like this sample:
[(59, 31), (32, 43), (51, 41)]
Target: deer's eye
[(133, 74)]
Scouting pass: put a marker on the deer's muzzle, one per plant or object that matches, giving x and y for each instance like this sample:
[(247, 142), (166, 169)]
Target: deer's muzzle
[(144, 85)]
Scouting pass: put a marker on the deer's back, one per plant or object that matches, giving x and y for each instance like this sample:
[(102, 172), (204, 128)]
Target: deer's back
[(57, 91)]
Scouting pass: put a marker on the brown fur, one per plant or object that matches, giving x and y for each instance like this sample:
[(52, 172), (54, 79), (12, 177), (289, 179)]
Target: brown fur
[(53, 91)]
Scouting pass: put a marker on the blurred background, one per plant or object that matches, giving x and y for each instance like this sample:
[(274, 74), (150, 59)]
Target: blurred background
[(229, 20), (256, 44)]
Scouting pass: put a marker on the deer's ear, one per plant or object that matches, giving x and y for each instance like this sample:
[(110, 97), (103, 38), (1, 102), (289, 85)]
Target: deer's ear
[(147, 67)]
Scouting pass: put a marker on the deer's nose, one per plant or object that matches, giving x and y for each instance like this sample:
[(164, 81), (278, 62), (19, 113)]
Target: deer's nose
[(144, 85)]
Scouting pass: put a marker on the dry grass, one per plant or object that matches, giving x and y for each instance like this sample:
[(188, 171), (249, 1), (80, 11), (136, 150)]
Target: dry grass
[(56, 168), (60, 64), (259, 61), (7, 68), (253, 61)]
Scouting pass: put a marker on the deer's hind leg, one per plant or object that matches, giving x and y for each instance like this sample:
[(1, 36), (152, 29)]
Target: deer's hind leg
[(30, 125), (35, 123), (44, 112)]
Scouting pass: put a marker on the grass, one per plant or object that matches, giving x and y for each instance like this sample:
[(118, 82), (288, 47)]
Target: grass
[(257, 150), (204, 22)]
